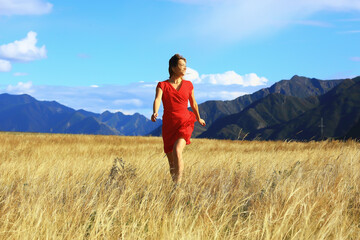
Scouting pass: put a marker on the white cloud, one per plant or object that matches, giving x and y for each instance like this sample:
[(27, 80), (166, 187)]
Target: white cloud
[(5, 66), (227, 78), (149, 85), (20, 74), (21, 88), (24, 50), (219, 95), (131, 98), (192, 75), (24, 7), (251, 79), (238, 19)]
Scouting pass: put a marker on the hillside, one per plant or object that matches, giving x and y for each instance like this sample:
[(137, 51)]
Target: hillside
[(273, 109), (339, 108), (23, 113), (279, 117)]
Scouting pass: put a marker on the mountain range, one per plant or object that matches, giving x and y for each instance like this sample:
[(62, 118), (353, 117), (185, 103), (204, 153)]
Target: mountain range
[(297, 86), (23, 113), (289, 109), (298, 109), (279, 117)]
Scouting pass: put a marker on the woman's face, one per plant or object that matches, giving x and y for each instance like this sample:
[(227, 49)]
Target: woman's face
[(181, 68)]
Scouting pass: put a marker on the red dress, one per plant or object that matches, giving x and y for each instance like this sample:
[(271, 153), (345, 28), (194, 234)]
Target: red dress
[(178, 121)]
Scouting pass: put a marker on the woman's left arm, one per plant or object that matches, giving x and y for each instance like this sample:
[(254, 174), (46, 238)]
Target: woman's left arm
[(195, 108)]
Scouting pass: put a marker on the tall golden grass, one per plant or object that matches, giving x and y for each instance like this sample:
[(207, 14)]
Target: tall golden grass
[(77, 187)]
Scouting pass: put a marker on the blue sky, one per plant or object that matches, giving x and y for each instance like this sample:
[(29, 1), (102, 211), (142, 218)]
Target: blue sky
[(109, 55)]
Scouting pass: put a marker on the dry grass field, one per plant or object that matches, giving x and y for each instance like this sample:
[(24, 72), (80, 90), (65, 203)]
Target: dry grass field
[(65, 187)]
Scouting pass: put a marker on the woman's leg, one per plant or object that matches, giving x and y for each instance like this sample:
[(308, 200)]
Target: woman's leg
[(177, 158), (171, 165)]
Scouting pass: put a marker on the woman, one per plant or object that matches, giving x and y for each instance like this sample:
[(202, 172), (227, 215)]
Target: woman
[(178, 121)]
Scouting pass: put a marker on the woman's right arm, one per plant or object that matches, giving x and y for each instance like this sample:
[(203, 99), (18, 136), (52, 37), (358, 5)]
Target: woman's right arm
[(195, 108), (156, 105)]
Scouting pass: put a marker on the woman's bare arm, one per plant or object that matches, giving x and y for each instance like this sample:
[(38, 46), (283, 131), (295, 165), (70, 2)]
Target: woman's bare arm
[(156, 104), (195, 108)]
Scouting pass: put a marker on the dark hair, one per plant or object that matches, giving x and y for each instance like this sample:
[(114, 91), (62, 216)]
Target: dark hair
[(173, 62)]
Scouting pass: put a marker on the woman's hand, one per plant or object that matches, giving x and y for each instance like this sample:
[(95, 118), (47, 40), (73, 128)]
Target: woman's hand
[(154, 116), (202, 122)]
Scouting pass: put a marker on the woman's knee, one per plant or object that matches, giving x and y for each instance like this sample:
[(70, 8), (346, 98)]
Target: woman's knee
[(177, 152), (179, 145)]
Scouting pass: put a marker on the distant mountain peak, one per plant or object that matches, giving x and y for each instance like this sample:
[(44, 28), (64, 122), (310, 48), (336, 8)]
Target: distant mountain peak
[(297, 77)]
